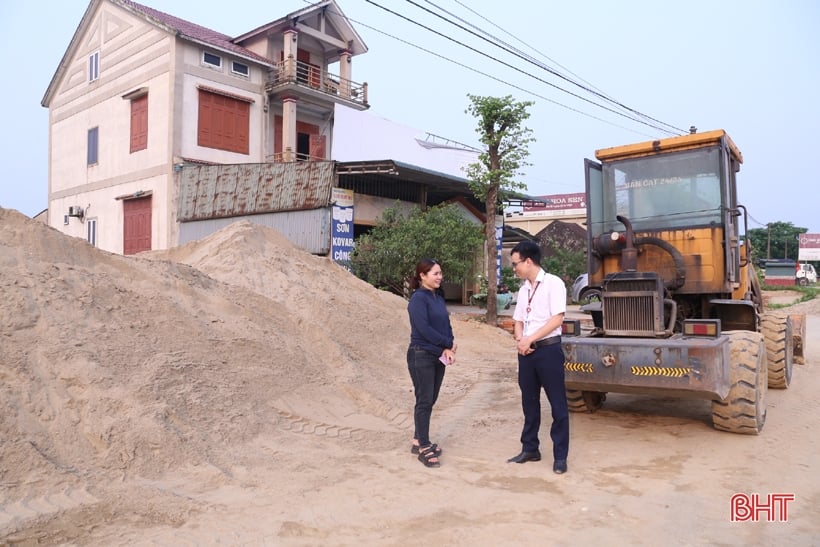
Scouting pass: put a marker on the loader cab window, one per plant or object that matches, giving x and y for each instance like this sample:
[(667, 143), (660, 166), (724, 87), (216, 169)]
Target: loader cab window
[(676, 190)]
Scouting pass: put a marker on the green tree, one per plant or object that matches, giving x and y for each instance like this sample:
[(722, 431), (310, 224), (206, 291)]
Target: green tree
[(387, 256), (491, 178), (776, 240), (566, 264)]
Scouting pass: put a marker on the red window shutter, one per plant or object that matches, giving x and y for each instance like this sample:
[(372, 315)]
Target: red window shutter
[(277, 134), (139, 123), (205, 133), (242, 121), (224, 122), (317, 146)]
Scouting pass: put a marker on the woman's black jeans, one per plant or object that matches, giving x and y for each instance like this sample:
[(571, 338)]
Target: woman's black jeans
[(427, 373)]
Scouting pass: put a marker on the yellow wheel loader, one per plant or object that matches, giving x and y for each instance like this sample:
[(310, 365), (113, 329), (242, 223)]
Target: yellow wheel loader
[(681, 312)]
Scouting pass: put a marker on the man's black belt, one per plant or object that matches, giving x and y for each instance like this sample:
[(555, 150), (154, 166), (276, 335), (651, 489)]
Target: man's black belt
[(546, 342)]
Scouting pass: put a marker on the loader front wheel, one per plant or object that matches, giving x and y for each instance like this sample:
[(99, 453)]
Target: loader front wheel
[(744, 408), (777, 334), (585, 401)]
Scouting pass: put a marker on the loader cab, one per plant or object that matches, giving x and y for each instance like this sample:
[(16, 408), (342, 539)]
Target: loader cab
[(679, 194)]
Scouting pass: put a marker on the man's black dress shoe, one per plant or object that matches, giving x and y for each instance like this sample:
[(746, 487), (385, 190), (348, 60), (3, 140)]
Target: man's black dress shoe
[(560, 466), (525, 457)]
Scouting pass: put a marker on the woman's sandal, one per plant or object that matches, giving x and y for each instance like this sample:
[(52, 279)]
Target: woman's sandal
[(427, 455), (414, 449)]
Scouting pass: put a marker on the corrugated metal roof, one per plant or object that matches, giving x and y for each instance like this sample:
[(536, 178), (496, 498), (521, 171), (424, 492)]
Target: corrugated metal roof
[(217, 191)]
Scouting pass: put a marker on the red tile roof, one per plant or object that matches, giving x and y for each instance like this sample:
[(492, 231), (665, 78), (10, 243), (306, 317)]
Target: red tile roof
[(194, 32)]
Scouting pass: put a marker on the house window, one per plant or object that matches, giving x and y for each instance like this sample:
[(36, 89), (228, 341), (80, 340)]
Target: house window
[(224, 122), (211, 59), (93, 144), (91, 231), (139, 123), (94, 66), (241, 69)]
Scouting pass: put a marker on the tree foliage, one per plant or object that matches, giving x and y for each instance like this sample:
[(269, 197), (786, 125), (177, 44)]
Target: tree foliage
[(776, 240), (565, 263), (387, 256), (492, 177)]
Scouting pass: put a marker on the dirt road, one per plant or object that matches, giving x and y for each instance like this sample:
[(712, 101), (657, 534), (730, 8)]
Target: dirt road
[(642, 471)]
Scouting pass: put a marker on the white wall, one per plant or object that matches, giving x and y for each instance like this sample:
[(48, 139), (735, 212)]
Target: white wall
[(133, 55), (362, 135)]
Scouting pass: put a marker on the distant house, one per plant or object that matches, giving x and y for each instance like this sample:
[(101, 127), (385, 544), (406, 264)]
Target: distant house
[(146, 109)]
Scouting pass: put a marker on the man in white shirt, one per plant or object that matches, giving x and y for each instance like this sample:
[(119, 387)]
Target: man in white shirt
[(539, 313)]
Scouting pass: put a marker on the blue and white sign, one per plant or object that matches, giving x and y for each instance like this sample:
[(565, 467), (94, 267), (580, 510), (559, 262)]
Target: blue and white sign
[(499, 235), (342, 226)]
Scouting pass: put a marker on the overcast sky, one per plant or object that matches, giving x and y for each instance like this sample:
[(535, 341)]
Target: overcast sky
[(751, 67)]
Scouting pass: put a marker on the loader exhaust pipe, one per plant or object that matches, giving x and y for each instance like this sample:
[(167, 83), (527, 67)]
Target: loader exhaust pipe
[(629, 255)]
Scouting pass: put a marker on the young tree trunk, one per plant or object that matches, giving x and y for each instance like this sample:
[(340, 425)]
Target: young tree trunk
[(490, 246)]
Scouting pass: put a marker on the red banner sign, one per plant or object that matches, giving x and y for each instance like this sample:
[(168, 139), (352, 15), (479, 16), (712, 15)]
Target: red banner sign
[(810, 241), (559, 202)]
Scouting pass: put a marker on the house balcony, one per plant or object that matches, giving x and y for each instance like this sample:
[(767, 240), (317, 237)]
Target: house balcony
[(292, 76), (291, 156)]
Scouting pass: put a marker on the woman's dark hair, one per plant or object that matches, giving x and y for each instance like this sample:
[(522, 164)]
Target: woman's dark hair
[(422, 267)]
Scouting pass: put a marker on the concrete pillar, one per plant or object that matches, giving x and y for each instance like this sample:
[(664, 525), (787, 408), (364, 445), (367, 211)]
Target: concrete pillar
[(345, 72), (289, 129), (290, 45)]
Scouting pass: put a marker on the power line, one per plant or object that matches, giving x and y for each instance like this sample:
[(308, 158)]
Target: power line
[(495, 78), (528, 58), (519, 40), (518, 69)]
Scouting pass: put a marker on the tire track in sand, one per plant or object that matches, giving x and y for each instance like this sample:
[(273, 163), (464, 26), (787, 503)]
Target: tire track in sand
[(49, 504)]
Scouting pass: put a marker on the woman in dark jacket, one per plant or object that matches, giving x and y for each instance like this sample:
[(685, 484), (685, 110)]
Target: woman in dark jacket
[(431, 348)]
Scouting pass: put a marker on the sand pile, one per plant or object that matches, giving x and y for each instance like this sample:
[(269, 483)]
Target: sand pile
[(112, 366)]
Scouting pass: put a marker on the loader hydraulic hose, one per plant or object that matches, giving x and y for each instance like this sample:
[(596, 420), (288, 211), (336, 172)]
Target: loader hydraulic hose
[(680, 265)]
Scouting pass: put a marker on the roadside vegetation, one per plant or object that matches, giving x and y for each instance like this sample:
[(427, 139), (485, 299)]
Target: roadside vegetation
[(807, 293), (386, 257)]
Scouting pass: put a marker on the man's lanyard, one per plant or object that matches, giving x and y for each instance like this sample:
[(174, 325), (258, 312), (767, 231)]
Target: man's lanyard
[(529, 298)]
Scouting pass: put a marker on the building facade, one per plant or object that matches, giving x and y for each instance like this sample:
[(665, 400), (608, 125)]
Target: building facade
[(140, 94)]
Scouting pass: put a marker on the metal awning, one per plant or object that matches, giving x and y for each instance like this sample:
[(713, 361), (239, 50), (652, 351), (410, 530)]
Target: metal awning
[(436, 182)]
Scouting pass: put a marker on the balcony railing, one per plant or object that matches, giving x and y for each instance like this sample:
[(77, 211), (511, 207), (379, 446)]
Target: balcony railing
[(289, 155), (291, 71)]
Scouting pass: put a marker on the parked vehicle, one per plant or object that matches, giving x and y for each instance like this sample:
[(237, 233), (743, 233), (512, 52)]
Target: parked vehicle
[(805, 274), (681, 311), (582, 293)]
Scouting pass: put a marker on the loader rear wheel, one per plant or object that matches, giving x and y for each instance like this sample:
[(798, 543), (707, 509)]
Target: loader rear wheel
[(778, 336), (744, 408), (585, 401)]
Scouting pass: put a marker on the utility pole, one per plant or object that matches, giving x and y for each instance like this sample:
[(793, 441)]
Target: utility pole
[(768, 241)]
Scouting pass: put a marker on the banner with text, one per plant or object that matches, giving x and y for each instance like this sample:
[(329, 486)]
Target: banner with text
[(809, 247), (556, 202), (342, 226)]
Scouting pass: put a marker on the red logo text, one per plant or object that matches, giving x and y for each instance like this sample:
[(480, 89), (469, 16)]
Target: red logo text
[(756, 508)]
